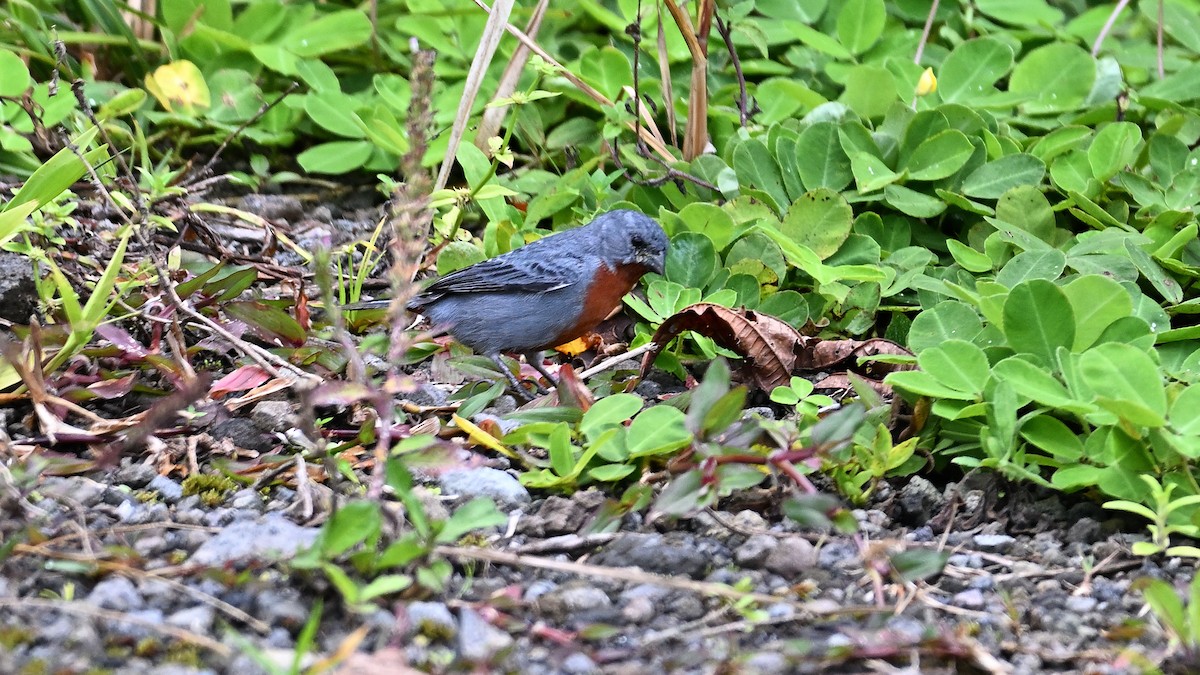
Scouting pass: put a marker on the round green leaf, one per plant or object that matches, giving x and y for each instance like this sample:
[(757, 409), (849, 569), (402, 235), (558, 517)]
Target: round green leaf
[(756, 167), (821, 220), (14, 75), (336, 157), (710, 219), (1128, 381), (1185, 411), (457, 255), (860, 24), (957, 364), (657, 431), (993, 179), (1027, 208), (606, 69), (691, 260), (949, 319), (870, 91), (1057, 77), (970, 70), (1038, 319), (820, 159), (1046, 263), (939, 156), (1097, 301), (1114, 148)]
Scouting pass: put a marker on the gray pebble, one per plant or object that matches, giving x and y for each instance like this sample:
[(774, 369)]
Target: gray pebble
[(753, 553), (579, 664), (572, 598), (116, 593), (136, 476), (766, 663), (1080, 604), (792, 557), (484, 482), (269, 539), (274, 416), (198, 619), (246, 498), (994, 543), (479, 641), (431, 617), (971, 598), (169, 490)]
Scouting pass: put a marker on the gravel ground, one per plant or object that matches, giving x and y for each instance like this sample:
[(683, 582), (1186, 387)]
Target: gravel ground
[(117, 571)]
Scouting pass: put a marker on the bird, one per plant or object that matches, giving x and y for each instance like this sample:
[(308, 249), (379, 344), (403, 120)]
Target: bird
[(545, 293)]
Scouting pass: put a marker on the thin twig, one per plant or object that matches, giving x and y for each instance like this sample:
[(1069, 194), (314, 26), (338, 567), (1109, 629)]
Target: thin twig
[(744, 112), (616, 360), (933, 8), (1112, 20), (262, 110)]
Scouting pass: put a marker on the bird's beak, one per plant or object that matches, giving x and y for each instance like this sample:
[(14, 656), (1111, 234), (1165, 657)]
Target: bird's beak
[(655, 263)]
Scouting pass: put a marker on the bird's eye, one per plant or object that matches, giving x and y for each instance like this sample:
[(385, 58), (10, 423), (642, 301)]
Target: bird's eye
[(637, 241)]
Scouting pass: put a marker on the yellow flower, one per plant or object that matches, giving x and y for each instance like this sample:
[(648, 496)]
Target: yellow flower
[(927, 84)]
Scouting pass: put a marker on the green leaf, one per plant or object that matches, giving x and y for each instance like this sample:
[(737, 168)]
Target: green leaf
[(1128, 380), (860, 24), (1185, 411), (656, 431), (870, 91), (1168, 608), (691, 260), (1034, 381), (59, 172), (993, 179), (870, 173), (268, 321), (353, 524), (1114, 148), (1097, 302), (330, 33), (1057, 77), (608, 70), (1040, 264), (756, 167), (957, 364), (912, 203), (477, 514), (970, 71), (610, 473), (1051, 435), (608, 412), (336, 157), (562, 453), (14, 75), (949, 319), (939, 156), (820, 220), (918, 564), (968, 258), (1154, 273), (1038, 319), (820, 159)]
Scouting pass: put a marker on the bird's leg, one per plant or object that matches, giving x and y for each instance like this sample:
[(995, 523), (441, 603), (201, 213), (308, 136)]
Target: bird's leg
[(535, 359), (518, 390)]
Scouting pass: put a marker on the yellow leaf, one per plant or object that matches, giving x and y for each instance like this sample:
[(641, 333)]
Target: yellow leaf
[(481, 437), (573, 348), (179, 87)]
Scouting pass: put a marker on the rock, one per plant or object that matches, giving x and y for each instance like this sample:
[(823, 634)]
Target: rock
[(484, 482), (429, 395), (971, 598), (918, 501), (479, 641), (18, 290), (116, 593), (792, 557), (246, 498), (753, 553), (639, 610), (136, 476), (269, 539), (579, 664), (556, 515), (243, 434), (198, 619), (1085, 531), (139, 627), (431, 619), (994, 543), (274, 416), (766, 663), (84, 491), (282, 607), (285, 208), (573, 598), (670, 553), (169, 490), (1080, 604)]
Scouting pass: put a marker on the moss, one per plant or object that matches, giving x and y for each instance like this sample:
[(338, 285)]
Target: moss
[(185, 654), (211, 489), (12, 637), (34, 667)]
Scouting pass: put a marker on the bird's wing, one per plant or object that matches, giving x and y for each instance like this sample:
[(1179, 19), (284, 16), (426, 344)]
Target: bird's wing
[(525, 273)]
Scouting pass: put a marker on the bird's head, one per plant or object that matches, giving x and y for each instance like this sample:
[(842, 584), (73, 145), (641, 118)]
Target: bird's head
[(631, 238)]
